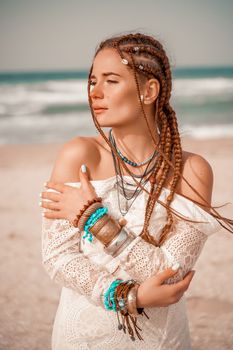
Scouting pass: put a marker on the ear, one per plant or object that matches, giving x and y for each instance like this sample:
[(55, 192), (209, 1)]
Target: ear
[(151, 91)]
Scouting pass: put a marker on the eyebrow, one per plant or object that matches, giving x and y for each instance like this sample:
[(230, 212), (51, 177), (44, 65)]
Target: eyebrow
[(106, 74)]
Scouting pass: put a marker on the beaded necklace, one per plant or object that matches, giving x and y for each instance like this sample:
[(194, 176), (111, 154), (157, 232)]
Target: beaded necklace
[(121, 183), (125, 159)]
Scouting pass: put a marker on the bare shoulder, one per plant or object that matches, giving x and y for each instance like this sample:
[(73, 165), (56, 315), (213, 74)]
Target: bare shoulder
[(77, 151), (198, 173)]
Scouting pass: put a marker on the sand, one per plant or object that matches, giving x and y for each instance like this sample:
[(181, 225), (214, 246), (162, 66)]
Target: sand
[(28, 299)]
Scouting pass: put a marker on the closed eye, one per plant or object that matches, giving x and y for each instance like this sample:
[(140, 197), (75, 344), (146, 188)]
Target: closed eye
[(92, 83)]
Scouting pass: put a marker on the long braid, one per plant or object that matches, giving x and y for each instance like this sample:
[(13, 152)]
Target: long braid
[(142, 50)]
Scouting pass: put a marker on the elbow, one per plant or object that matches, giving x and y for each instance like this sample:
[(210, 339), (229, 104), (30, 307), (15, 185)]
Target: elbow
[(49, 268)]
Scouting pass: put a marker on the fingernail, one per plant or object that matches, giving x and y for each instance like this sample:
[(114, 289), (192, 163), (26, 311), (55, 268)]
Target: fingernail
[(40, 204), (84, 168), (45, 184), (43, 214), (40, 194), (176, 266)]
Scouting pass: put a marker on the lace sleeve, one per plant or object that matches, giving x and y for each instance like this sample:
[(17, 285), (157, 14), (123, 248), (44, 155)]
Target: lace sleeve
[(183, 245), (67, 265)]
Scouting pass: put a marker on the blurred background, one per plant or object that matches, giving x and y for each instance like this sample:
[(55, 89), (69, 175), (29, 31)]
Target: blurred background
[(46, 51)]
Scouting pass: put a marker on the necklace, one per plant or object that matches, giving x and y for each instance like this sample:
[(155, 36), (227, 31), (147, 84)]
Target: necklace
[(121, 182), (113, 142), (125, 159)]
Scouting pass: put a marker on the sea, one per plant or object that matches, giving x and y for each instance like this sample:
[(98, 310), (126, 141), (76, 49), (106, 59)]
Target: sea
[(52, 106)]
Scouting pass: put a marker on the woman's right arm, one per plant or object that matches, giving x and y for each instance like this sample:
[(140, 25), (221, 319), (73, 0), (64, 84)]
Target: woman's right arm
[(69, 267)]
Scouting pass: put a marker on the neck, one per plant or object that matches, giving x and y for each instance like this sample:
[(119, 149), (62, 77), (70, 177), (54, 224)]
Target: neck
[(135, 144)]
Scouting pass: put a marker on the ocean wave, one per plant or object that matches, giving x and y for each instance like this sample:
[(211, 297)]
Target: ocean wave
[(63, 96), (25, 99), (203, 86), (216, 131), (59, 128)]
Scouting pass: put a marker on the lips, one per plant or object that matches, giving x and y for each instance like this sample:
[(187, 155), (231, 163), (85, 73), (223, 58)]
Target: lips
[(99, 108)]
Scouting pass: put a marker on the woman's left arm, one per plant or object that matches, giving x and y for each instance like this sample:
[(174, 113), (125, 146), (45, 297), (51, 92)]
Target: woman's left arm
[(186, 239)]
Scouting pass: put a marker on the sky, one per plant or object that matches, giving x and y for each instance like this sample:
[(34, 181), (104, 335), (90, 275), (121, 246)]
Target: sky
[(63, 34)]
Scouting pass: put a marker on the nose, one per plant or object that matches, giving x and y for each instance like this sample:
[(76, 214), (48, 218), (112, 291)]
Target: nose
[(96, 91)]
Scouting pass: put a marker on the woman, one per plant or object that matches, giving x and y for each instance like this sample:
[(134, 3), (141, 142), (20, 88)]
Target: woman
[(126, 214)]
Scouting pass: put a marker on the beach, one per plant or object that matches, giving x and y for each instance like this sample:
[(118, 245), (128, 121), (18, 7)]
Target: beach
[(29, 298)]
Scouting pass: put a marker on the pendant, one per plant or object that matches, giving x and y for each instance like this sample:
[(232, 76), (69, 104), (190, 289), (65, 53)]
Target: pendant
[(124, 205), (122, 221)]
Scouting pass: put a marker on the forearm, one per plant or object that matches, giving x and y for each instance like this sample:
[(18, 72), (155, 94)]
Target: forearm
[(67, 265), (183, 246), (142, 259)]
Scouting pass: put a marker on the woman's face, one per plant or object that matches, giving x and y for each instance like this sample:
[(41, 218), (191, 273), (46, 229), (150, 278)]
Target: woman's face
[(113, 87)]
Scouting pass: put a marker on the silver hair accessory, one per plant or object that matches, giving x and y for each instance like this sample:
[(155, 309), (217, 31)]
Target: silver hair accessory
[(124, 61), (136, 48), (140, 66), (142, 97)]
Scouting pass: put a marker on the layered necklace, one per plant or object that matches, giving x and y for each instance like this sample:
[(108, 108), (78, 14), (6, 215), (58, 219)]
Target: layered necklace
[(125, 189)]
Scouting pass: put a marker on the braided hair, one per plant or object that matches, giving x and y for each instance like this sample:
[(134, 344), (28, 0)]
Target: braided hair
[(147, 58)]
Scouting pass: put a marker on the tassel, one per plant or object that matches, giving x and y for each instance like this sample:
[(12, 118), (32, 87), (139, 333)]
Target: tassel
[(145, 314), (134, 321)]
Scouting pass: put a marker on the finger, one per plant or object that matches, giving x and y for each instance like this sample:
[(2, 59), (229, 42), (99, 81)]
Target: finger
[(49, 205), (168, 273), (184, 284), (52, 215), (55, 186), (51, 196), (188, 278), (84, 177)]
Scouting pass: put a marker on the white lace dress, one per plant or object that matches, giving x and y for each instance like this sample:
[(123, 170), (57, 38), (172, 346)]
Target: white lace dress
[(85, 273)]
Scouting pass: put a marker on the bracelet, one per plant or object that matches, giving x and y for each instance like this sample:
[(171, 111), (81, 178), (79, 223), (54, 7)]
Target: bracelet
[(121, 294), (92, 220), (89, 202), (119, 243), (87, 213), (121, 298), (108, 231), (132, 302), (109, 301)]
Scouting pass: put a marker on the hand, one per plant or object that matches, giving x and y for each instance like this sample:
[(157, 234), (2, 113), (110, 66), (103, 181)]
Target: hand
[(153, 293), (69, 201)]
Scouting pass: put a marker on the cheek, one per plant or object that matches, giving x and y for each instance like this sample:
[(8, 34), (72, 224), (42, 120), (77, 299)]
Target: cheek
[(126, 102)]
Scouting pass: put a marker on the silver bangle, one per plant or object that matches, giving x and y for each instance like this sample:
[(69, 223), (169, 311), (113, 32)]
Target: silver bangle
[(122, 240), (132, 301)]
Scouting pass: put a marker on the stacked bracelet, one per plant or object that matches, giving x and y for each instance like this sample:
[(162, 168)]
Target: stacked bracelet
[(92, 220), (117, 245), (95, 221), (76, 222), (105, 229), (121, 298), (109, 301)]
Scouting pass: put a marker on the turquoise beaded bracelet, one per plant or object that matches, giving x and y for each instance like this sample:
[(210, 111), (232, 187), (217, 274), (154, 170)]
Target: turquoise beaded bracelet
[(109, 301), (98, 213)]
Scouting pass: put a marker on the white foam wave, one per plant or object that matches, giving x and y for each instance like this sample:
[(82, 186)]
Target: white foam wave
[(31, 98), (203, 86), (208, 131), (35, 98)]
